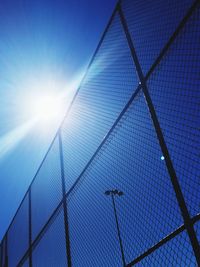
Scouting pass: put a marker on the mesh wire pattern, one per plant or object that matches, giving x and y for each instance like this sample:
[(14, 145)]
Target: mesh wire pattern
[(103, 196)]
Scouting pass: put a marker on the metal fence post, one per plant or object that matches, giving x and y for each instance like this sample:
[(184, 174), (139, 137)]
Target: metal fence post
[(118, 193), (66, 223), (6, 251), (174, 180), (30, 228)]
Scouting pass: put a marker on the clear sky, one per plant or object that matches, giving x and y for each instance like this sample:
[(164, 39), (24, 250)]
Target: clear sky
[(44, 46)]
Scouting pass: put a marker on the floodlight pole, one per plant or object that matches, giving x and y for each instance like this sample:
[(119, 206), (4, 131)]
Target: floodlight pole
[(113, 193)]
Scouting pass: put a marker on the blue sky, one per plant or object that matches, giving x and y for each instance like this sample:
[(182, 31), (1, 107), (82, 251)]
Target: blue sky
[(44, 45), (44, 49)]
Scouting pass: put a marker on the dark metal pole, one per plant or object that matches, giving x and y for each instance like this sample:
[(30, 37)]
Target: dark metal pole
[(6, 250), (118, 230), (66, 223), (174, 179), (30, 229), (1, 254)]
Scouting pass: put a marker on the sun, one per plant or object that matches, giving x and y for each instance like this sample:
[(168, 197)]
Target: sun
[(46, 109), (45, 102)]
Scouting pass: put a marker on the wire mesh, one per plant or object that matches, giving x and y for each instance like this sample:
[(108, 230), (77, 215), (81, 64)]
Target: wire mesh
[(103, 94), (91, 226), (51, 250), (26, 263), (18, 234), (109, 143), (176, 252), (143, 219), (46, 190), (151, 23), (174, 88)]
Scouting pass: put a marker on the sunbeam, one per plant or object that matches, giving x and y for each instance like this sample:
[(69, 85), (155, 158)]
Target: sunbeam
[(11, 139)]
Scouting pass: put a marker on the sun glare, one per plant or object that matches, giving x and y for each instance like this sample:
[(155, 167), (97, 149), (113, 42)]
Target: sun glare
[(47, 108), (46, 101)]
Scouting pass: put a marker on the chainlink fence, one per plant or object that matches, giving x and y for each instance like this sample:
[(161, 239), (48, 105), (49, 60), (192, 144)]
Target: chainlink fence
[(132, 131)]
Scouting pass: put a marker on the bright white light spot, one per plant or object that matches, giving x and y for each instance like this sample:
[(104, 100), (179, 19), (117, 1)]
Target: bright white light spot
[(46, 101), (47, 108), (162, 157)]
